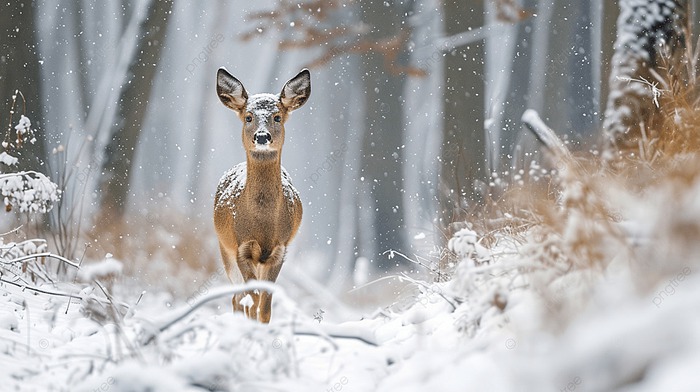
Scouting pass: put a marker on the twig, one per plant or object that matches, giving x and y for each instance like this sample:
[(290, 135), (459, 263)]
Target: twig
[(37, 255), (546, 136), (392, 252), (27, 287), (335, 332), (338, 332), (427, 286), (184, 311), (16, 229)]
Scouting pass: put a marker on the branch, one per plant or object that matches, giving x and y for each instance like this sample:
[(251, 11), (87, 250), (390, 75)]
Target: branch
[(42, 291), (547, 137), (37, 255), (452, 42), (326, 332)]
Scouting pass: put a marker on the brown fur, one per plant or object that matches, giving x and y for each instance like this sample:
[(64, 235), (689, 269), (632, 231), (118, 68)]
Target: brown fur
[(255, 226)]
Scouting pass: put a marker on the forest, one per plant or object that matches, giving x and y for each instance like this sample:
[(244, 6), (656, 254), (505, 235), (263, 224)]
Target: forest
[(497, 195)]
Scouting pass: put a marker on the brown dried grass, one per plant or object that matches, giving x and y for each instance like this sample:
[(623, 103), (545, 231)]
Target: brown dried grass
[(585, 218)]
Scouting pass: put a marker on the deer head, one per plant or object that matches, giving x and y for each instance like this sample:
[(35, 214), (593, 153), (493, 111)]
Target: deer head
[(263, 115)]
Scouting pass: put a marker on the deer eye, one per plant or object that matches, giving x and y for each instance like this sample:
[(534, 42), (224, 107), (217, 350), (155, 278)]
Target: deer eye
[(249, 118), (278, 118)]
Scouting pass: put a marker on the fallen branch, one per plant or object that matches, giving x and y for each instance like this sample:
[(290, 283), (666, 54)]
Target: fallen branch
[(326, 332), (547, 137)]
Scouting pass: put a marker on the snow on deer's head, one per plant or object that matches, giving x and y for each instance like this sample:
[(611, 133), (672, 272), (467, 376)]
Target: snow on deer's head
[(263, 115)]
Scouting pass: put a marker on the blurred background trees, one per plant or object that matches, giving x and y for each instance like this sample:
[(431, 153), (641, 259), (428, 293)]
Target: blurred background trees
[(19, 62)]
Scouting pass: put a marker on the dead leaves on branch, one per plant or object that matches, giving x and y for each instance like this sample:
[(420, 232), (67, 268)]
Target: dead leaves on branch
[(317, 23), (510, 11)]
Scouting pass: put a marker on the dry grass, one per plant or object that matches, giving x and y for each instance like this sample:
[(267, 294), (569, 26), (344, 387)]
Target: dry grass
[(640, 210), (160, 249)]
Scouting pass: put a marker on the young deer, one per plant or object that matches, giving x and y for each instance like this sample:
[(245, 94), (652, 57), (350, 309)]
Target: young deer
[(257, 211)]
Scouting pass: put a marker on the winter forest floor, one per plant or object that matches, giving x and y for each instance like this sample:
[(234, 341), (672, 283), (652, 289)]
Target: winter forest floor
[(579, 303)]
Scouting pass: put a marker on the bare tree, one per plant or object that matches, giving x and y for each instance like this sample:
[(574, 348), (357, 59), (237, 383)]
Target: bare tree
[(132, 107), (463, 156), (382, 153), (19, 61), (650, 36)]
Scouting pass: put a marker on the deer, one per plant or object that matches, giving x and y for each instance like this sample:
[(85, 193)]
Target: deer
[(257, 210)]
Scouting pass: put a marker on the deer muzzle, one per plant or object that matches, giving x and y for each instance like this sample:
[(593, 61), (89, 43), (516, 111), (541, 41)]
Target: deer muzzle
[(262, 138)]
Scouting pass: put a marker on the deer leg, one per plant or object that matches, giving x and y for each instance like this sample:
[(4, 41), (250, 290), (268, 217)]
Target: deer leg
[(234, 274), (269, 270), (248, 256)]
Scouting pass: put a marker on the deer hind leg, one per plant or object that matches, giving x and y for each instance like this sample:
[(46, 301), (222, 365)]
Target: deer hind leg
[(248, 257), (269, 270)]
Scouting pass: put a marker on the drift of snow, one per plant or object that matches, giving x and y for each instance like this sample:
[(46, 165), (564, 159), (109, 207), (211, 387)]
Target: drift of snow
[(7, 159), (108, 268)]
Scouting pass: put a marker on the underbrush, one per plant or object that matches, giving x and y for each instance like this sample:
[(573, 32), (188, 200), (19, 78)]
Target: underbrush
[(161, 250), (632, 217)]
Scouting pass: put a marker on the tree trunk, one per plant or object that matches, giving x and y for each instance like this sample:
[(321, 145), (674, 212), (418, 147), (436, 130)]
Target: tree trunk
[(463, 155), (646, 31), (19, 61), (133, 104), (382, 160)]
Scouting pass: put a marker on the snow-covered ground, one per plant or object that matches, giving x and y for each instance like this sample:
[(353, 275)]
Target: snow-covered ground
[(486, 331)]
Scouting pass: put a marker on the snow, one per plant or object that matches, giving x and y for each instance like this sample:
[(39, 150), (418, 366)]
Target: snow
[(263, 105), (465, 244), (7, 159), (30, 191), (23, 126), (246, 301), (483, 330), (108, 267), (233, 182)]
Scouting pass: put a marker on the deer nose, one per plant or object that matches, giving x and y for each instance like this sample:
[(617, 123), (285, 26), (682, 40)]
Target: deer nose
[(263, 138)]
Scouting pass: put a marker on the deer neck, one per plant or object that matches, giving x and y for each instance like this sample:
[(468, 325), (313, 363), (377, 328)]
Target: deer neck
[(264, 179)]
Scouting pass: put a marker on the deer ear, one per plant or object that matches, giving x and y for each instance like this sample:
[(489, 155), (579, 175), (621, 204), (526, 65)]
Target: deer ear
[(231, 91), (297, 90)]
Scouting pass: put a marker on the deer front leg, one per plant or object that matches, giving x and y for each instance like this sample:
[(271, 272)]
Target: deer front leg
[(248, 256), (269, 270), (234, 274)]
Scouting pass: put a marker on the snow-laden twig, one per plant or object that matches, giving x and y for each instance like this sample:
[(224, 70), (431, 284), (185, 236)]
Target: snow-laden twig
[(547, 137), (452, 42), (42, 291), (656, 92), (22, 173), (392, 253), (185, 310), (15, 230), (383, 278), (314, 330), (404, 277), (36, 255), (337, 332)]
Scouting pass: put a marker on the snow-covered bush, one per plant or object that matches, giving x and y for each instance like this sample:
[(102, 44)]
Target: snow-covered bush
[(25, 192), (28, 191)]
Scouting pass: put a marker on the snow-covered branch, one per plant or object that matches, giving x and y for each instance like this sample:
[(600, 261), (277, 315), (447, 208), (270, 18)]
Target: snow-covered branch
[(342, 332)]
